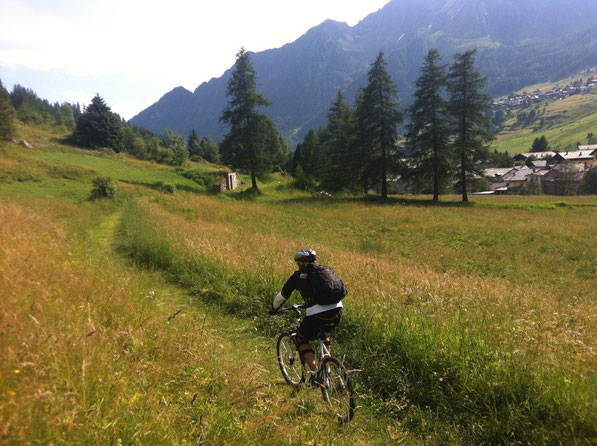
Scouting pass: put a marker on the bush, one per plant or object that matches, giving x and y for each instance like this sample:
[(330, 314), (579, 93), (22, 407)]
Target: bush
[(169, 188), (103, 187)]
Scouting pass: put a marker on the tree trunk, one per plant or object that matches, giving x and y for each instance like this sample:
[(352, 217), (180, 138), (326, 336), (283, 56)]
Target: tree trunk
[(463, 178), (384, 174), (435, 175), (254, 181)]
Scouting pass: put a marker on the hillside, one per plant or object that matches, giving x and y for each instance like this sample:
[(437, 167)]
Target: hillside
[(564, 123), (142, 320), (519, 43)]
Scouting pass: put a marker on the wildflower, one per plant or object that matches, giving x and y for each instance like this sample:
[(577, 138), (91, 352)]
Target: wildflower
[(17, 371)]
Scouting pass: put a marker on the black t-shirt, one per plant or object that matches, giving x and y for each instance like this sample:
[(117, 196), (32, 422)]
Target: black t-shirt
[(299, 281)]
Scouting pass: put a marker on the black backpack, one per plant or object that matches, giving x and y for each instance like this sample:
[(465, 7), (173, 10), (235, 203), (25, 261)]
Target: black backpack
[(327, 287)]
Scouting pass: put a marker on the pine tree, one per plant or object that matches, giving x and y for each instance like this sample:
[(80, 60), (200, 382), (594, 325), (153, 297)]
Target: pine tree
[(378, 116), (341, 163), (244, 144), (470, 112), (7, 115), (98, 126), (193, 144), (540, 144), (428, 132), (308, 156)]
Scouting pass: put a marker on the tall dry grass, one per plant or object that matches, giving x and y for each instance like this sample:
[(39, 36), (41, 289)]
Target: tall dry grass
[(95, 351)]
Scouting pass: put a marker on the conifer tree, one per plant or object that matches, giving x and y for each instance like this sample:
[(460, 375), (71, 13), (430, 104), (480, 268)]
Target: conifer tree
[(378, 116), (308, 156), (470, 112), (428, 134), (341, 163), (540, 144), (98, 126), (193, 144), (7, 115), (245, 142)]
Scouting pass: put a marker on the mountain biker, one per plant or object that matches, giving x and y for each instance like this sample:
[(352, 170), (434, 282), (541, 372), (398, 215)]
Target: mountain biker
[(320, 318)]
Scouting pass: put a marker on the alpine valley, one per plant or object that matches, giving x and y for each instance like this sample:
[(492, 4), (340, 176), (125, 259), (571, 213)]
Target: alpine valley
[(519, 42)]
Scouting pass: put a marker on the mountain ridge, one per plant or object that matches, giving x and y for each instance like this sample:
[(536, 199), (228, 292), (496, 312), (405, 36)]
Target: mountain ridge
[(519, 44)]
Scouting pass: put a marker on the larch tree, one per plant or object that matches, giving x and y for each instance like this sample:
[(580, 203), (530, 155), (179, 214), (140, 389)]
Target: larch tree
[(378, 116), (245, 142), (428, 133), (470, 110)]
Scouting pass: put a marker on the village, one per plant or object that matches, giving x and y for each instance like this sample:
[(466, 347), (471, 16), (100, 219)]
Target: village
[(553, 173), (525, 99)]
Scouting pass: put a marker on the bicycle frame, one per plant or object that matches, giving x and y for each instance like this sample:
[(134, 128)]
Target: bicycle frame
[(335, 383), (323, 350)]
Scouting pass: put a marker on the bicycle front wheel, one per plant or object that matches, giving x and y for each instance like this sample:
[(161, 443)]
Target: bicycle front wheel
[(337, 390), (293, 370)]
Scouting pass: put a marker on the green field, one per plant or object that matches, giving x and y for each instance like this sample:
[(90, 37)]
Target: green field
[(142, 320)]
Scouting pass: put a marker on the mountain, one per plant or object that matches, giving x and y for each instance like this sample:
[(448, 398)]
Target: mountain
[(519, 42)]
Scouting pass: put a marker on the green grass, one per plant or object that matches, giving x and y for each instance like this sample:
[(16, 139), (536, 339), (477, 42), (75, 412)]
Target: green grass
[(51, 169), (452, 374), (469, 323)]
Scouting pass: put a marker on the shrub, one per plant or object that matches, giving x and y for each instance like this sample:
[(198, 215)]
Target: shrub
[(169, 188), (103, 187)]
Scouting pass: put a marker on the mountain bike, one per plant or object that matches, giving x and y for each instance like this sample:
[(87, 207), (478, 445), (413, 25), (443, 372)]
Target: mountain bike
[(336, 385)]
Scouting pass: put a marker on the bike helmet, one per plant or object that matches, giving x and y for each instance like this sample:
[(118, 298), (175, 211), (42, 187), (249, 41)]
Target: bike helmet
[(305, 255)]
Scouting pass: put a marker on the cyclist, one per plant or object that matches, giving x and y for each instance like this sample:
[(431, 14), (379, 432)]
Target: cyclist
[(320, 318)]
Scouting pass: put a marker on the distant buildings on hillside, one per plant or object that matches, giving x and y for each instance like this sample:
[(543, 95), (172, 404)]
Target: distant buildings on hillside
[(525, 99), (554, 173)]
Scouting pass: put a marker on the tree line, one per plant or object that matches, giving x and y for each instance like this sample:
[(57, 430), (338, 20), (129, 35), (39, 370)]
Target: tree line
[(447, 133), (96, 126)]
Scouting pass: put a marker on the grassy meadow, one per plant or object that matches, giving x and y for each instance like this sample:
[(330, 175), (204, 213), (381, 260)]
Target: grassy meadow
[(143, 320)]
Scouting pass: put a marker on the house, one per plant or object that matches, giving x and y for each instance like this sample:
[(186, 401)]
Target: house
[(535, 180), (583, 157), (537, 155), (495, 176), (517, 178), (564, 179), (590, 147), (537, 164)]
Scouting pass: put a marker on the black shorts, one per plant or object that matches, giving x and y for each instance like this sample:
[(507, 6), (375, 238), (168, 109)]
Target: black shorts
[(321, 322)]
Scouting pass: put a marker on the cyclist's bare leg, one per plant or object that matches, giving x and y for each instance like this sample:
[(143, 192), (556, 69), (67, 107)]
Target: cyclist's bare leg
[(306, 352)]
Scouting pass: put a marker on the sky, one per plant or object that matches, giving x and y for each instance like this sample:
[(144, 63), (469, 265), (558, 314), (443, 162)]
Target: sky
[(132, 52)]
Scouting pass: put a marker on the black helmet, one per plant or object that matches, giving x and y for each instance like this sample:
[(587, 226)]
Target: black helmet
[(305, 255)]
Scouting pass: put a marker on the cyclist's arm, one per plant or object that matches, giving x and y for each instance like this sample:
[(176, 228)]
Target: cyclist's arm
[(283, 295)]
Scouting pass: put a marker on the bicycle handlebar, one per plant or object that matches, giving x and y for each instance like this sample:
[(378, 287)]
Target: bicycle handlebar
[(294, 308)]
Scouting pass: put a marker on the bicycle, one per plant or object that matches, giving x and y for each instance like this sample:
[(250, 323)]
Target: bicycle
[(336, 387)]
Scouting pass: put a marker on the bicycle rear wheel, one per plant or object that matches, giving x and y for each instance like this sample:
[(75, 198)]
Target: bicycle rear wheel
[(293, 370), (338, 391)]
